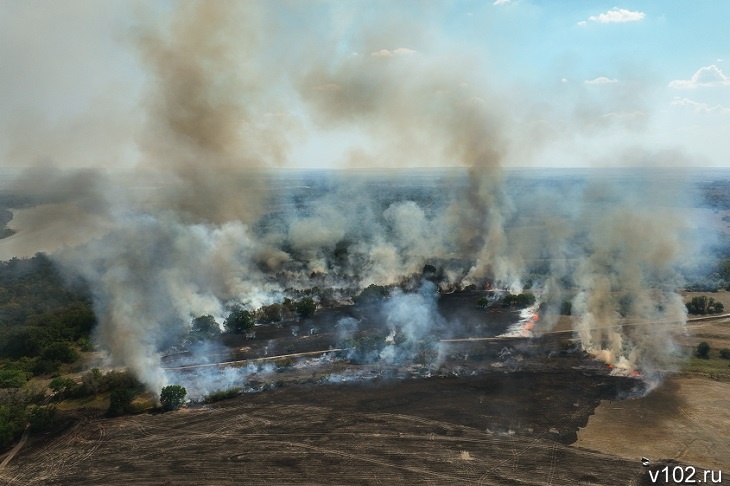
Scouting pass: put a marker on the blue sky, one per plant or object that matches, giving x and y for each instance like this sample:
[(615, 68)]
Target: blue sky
[(587, 79)]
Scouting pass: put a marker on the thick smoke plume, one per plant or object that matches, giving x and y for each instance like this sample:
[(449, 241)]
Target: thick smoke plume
[(199, 226)]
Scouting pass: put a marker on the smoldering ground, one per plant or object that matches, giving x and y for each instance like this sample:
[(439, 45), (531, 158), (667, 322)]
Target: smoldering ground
[(191, 231)]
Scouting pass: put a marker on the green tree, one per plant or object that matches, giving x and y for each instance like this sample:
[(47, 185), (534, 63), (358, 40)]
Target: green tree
[(60, 352), (519, 300), (372, 294), (306, 307), (205, 327), (270, 313), (12, 423), (41, 418), (12, 378), (120, 402), (172, 397), (703, 350), (62, 385), (566, 308), (483, 302), (92, 382), (704, 305), (725, 353), (238, 321)]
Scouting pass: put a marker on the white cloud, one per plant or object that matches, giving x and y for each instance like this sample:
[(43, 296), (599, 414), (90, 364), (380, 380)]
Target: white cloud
[(699, 107), (615, 16), (705, 77), (601, 80), (401, 51), (501, 2)]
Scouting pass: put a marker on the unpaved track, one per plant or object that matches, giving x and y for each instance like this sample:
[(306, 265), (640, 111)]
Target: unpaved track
[(10, 454)]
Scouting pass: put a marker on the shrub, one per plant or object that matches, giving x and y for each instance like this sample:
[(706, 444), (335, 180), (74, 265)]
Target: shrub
[(704, 305), (41, 418), (371, 294), (120, 402), (60, 352), (85, 344), (172, 397), (62, 385), (238, 321), (219, 395), (270, 313), (205, 327), (306, 307), (566, 308), (519, 300), (725, 353), (45, 367), (12, 423), (703, 350), (12, 378)]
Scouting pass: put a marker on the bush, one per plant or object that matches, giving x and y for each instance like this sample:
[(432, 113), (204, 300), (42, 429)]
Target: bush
[(172, 397), (270, 313), (60, 352), (482, 302), (519, 300), (702, 304), (566, 308), (238, 321), (116, 380), (62, 385), (306, 307), (205, 327), (219, 395), (45, 367), (12, 423), (725, 353), (91, 382), (120, 402), (372, 294), (42, 418), (703, 350), (85, 344), (12, 378)]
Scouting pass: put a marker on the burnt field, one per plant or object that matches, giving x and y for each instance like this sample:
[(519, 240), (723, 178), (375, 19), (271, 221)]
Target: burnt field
[(501, 411), (498, 428)]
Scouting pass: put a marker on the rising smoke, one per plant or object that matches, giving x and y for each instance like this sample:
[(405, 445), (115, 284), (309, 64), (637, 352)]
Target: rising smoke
[(191, 233)]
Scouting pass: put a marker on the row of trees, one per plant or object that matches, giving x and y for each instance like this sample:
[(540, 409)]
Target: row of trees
[(511, 300), (702, 305), (241, 320)]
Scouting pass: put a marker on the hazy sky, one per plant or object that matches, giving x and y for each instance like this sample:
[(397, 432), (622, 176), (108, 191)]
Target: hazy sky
[(577, 82)]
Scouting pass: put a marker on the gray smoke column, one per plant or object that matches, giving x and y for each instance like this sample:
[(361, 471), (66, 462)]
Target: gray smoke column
[(210, 116), (421, 111), (151, 276), (182, 248), (415, 317), (621, 244)]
